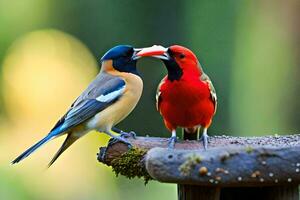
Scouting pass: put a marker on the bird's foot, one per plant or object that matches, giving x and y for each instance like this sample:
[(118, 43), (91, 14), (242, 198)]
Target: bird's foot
[(204, 138), (117, 139), (128, 135), (171, 142)]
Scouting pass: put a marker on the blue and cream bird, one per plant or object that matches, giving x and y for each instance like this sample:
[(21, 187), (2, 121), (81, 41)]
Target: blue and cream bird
[(109, 98)]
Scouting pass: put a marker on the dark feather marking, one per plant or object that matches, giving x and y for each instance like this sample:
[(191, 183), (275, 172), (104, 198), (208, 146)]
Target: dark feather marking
[(86, 105)]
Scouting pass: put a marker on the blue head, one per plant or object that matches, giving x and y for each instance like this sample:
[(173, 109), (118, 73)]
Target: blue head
[(123, 58)]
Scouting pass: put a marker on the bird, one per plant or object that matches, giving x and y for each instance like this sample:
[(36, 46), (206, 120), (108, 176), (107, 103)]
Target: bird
[(186, 96), (107, 100)]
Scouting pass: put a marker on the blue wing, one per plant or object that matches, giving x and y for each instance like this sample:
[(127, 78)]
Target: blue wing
[(101, 93), (94, 102)]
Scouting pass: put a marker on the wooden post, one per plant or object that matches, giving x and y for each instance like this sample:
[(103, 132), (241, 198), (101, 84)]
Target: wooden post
[(268, 193), (194, 192), (232, 167)]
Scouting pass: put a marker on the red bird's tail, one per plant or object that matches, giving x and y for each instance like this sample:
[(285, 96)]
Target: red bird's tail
[(190, 133)]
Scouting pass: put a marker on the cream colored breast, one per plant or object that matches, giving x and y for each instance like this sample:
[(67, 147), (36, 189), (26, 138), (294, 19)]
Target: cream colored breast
[(130, 98), (121, 108)]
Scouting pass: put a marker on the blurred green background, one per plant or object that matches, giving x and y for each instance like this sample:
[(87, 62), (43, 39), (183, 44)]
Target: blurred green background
[(50, 51)]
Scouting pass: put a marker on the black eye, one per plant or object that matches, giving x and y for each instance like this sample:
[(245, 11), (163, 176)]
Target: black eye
[(181, 56), (128, 53)]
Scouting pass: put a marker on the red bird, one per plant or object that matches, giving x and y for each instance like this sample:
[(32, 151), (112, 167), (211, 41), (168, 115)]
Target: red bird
[(186, 96)]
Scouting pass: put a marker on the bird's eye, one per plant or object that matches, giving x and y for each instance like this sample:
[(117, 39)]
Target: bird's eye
[(127, 54), (181, 56)]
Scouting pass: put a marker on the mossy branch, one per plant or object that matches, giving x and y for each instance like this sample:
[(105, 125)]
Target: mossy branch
[(131, 165), (125, 161), (229, 161)]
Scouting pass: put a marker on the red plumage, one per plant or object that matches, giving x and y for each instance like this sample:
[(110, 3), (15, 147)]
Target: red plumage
[(185, 97), (185, 103)]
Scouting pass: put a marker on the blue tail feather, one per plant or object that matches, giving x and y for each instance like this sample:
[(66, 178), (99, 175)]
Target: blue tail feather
[(32, 149)]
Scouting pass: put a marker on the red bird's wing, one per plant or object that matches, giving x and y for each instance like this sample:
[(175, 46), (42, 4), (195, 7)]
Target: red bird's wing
[(158, 94), (213, 94)]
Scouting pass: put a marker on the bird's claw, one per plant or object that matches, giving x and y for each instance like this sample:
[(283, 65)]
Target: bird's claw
[(204, 138), (120, 139), (171, 142), (128, 135)]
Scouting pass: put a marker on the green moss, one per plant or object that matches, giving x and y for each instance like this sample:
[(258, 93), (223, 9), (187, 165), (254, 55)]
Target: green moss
[(190, 163), (249, 149), (130, 164)]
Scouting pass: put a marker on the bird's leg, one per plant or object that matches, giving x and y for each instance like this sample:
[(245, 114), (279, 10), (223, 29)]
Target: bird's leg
[(118, 138), (204, 138), (115, 129), (172, 140), (124, 134)]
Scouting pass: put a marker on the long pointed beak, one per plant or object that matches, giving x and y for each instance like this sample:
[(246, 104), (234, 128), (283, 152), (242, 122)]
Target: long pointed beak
[(155, 51)]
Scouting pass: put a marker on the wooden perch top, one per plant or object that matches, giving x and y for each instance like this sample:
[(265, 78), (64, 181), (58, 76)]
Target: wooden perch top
[(229, 161)]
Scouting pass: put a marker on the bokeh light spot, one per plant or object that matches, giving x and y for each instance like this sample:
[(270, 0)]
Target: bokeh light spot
[(44, 71)]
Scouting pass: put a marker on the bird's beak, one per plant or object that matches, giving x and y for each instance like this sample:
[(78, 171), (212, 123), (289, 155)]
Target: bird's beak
[(135, 52), (155, 51)]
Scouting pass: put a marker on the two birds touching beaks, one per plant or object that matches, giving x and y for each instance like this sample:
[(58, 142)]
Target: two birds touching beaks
[(185, 97)]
